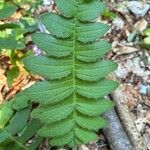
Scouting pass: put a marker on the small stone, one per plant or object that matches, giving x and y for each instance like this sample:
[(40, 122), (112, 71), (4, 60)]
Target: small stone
[(140, 124), (47, 2), (121, 72), (144, 89), (37, 51), (118, 23), (138, 8), (83, 147)]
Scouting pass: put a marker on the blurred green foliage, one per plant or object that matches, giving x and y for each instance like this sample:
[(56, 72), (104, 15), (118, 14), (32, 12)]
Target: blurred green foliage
[(13, 31), (146, 41), (109, 15), (16, 127), (7, 9)]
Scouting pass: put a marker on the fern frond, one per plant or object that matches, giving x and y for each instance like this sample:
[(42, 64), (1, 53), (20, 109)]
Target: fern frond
[(72, 97)]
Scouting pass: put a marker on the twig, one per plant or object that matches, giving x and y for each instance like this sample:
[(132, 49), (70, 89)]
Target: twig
[(127, 120), (115, 134)]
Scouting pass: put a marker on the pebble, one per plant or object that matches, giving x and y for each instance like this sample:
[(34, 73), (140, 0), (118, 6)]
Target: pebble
[(118, 23), (47, 2), (138, 8), (144, 89), (121, 72)]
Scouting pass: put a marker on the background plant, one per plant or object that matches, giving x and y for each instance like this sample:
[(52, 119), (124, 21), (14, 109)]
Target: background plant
[(15, 129), (146, 41), (13, 33)]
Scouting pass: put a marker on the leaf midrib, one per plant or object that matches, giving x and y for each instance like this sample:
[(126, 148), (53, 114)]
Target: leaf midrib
[(73, 72)]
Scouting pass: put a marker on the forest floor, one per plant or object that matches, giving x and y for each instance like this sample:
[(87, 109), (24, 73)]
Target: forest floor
[(128, 21)]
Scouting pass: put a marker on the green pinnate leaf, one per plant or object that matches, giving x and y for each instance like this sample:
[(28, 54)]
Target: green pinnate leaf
[(96, 89), (52, 46), (75, 71), (54, 69), (86, 13), (59, 48), (48, 68), (57, 130), (56, 114), (91, 31), (58, 25), (91, 52), (85, 135), (96, 71), (62, 140), (67, 8), (50, 92), (83, 11), (94, 108), (95, 122)]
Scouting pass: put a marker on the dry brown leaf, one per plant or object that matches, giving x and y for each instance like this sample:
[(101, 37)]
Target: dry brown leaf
[(17, 15), (132, 95), (122, 49), (3, 82), (19, 82), (141, 25)]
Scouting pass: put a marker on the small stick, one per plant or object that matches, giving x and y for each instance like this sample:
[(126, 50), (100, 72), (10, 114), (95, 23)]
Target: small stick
[(126, 119), (115, 133)]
